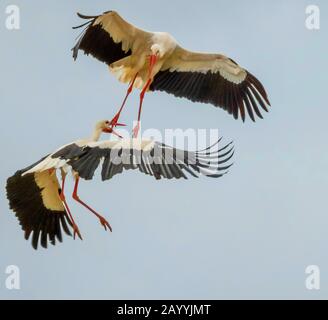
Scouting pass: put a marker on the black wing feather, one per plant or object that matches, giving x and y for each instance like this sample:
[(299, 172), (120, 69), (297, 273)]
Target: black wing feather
[(160, 161), (214, 89), (25, 200), (98, 42)]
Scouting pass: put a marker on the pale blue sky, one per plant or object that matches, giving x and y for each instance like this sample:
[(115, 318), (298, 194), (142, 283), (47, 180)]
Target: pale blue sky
[(248, 235)]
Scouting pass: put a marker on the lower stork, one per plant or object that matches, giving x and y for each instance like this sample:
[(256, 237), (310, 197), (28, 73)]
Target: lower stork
[(39, 201)]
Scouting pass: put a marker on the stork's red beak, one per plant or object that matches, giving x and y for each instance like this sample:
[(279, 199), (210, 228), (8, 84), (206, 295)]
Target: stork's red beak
[(153, 59), (116, 134), (111, 130)]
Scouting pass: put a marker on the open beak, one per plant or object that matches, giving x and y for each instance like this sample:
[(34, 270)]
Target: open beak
[(110, 129), (117, 125), (116, 134)]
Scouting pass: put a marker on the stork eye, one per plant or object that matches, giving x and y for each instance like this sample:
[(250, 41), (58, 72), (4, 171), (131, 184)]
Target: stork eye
[(107, 122)]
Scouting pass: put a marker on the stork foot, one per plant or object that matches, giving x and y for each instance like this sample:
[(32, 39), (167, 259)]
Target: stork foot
[(105, 224), (76, 231), (114, 122), (135, 131)]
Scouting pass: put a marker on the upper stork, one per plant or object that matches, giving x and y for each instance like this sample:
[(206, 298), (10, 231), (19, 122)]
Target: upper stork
[(38, 197), (155, 61)]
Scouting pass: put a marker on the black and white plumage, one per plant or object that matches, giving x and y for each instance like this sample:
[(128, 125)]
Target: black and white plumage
[(37, 197), (35, 200), (199, 77), (147, 156)]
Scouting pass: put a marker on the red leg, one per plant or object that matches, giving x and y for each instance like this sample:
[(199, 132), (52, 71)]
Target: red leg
[(116, 117), (63, 199), (142, 95), (103, 221), (152, 62)]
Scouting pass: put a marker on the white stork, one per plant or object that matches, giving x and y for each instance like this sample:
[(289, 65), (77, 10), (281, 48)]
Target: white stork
[(155, 61), (38, 199)]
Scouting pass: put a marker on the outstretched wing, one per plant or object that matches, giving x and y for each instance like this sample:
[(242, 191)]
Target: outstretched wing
[(34, 198), (147, 156), (214, 79), (108, 37), (34, 192)]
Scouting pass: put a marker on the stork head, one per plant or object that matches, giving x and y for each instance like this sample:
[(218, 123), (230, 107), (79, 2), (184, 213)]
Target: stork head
[(104, 126), (157, 50)]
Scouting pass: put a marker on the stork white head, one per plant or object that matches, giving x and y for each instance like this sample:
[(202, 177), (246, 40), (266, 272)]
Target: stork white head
[(157, 50), (103, 126)]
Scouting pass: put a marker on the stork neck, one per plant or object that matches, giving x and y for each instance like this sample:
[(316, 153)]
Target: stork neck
[(96, 134)]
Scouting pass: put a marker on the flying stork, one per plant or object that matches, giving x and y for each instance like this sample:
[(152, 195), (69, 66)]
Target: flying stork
[(38, 198), (154, 61)]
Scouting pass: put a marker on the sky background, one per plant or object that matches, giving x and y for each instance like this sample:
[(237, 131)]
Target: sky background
[(248, 235)]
